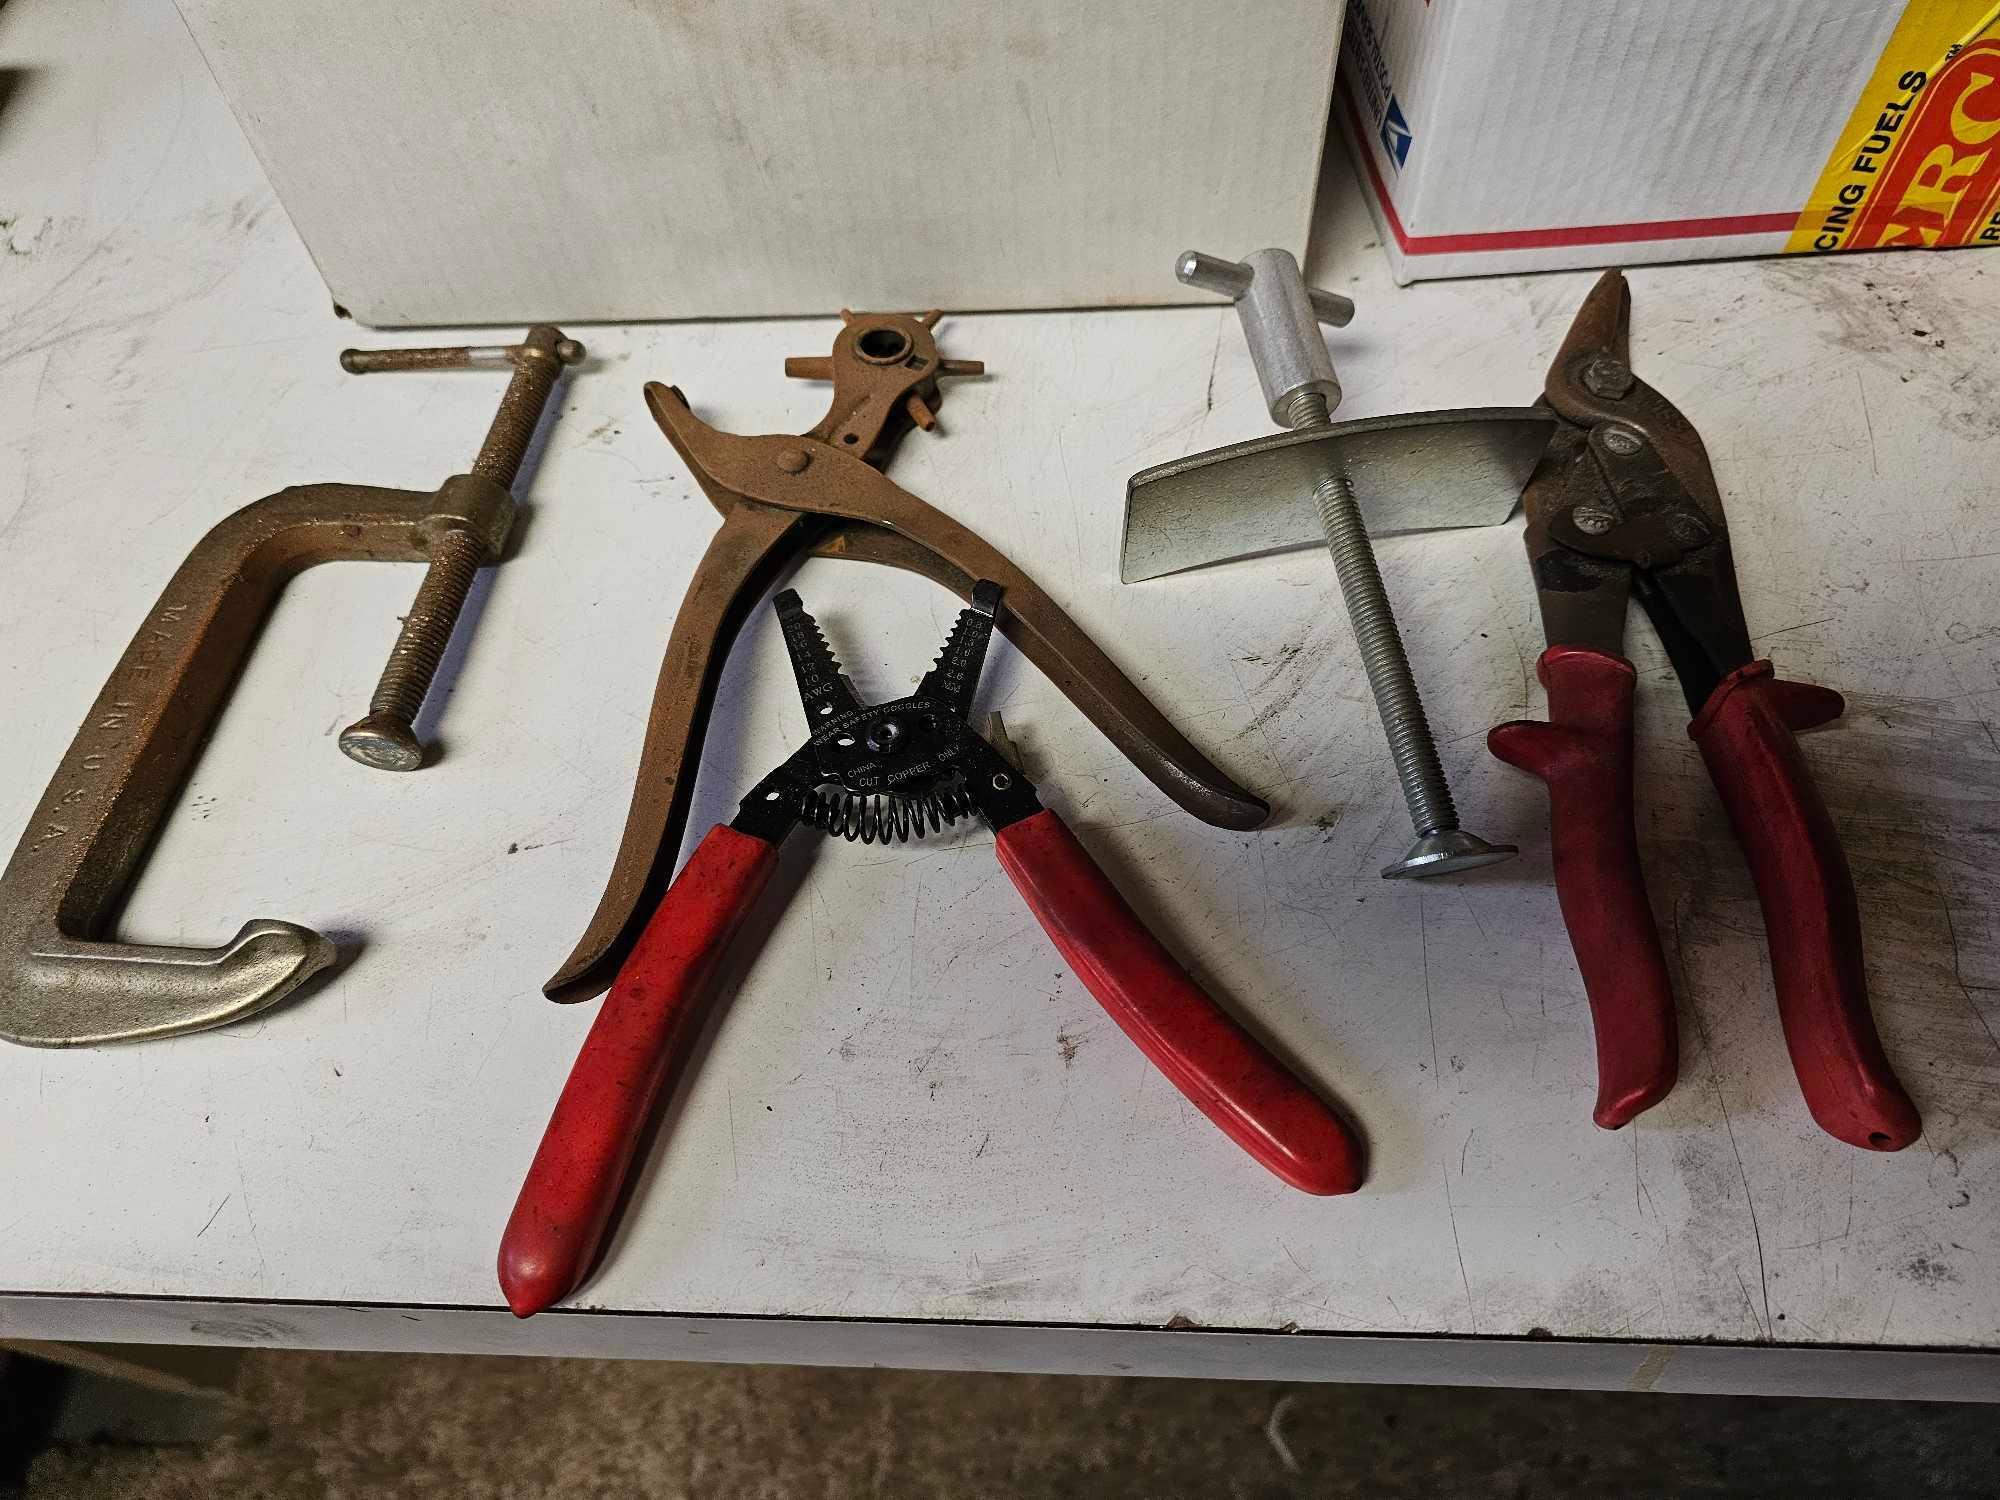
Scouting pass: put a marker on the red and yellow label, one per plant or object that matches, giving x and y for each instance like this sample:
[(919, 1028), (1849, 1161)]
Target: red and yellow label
[(1918, 166)]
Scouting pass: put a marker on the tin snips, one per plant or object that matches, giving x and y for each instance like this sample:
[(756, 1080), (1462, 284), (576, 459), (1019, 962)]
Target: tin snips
[(1624, 505)]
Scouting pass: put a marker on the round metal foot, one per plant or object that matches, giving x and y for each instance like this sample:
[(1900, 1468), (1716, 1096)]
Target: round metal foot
[(383, 742), (1447, 853)]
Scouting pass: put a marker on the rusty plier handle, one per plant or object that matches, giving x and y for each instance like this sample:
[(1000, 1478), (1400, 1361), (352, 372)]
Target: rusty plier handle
[(823, 492)]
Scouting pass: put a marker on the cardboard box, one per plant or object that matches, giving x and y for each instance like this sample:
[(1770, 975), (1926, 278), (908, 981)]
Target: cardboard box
[(1526, 135), (497, 161)]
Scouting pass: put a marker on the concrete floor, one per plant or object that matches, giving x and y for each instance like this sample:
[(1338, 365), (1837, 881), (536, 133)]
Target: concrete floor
[(390, 1426)]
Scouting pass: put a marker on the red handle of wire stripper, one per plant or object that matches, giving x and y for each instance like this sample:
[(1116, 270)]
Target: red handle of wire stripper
[(643, 1028), (1803, 884), (1224, 1072), (1584, 755)]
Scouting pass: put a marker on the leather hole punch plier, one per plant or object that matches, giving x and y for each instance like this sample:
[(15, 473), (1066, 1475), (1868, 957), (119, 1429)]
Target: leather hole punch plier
[(888, 772), (823, 493), (1624, 503)]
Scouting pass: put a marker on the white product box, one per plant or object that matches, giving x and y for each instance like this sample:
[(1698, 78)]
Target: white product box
[(1522, 135), (497, 161)]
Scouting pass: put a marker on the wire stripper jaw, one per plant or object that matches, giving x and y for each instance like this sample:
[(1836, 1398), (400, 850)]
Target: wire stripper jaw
[(888, 772)]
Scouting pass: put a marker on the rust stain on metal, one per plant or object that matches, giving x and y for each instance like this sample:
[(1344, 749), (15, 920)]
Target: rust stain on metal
[(823, 492), (63, 982)]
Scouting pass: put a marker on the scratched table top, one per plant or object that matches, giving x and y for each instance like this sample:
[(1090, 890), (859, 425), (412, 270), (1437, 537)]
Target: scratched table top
[(911, 1110)]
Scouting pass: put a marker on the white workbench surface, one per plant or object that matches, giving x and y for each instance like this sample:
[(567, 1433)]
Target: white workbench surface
[(914, 1138)]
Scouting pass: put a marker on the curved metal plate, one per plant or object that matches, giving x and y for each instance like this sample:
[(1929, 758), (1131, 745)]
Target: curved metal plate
[(1417, 471)]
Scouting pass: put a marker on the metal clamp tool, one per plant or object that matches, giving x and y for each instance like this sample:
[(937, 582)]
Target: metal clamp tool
[(1334, 483), (62, 981)]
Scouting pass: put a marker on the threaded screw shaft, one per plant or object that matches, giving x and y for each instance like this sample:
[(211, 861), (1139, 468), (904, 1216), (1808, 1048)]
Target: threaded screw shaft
[(385, 737), (513, 429), (1383, 658), (427, 628), (1281, 317)]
